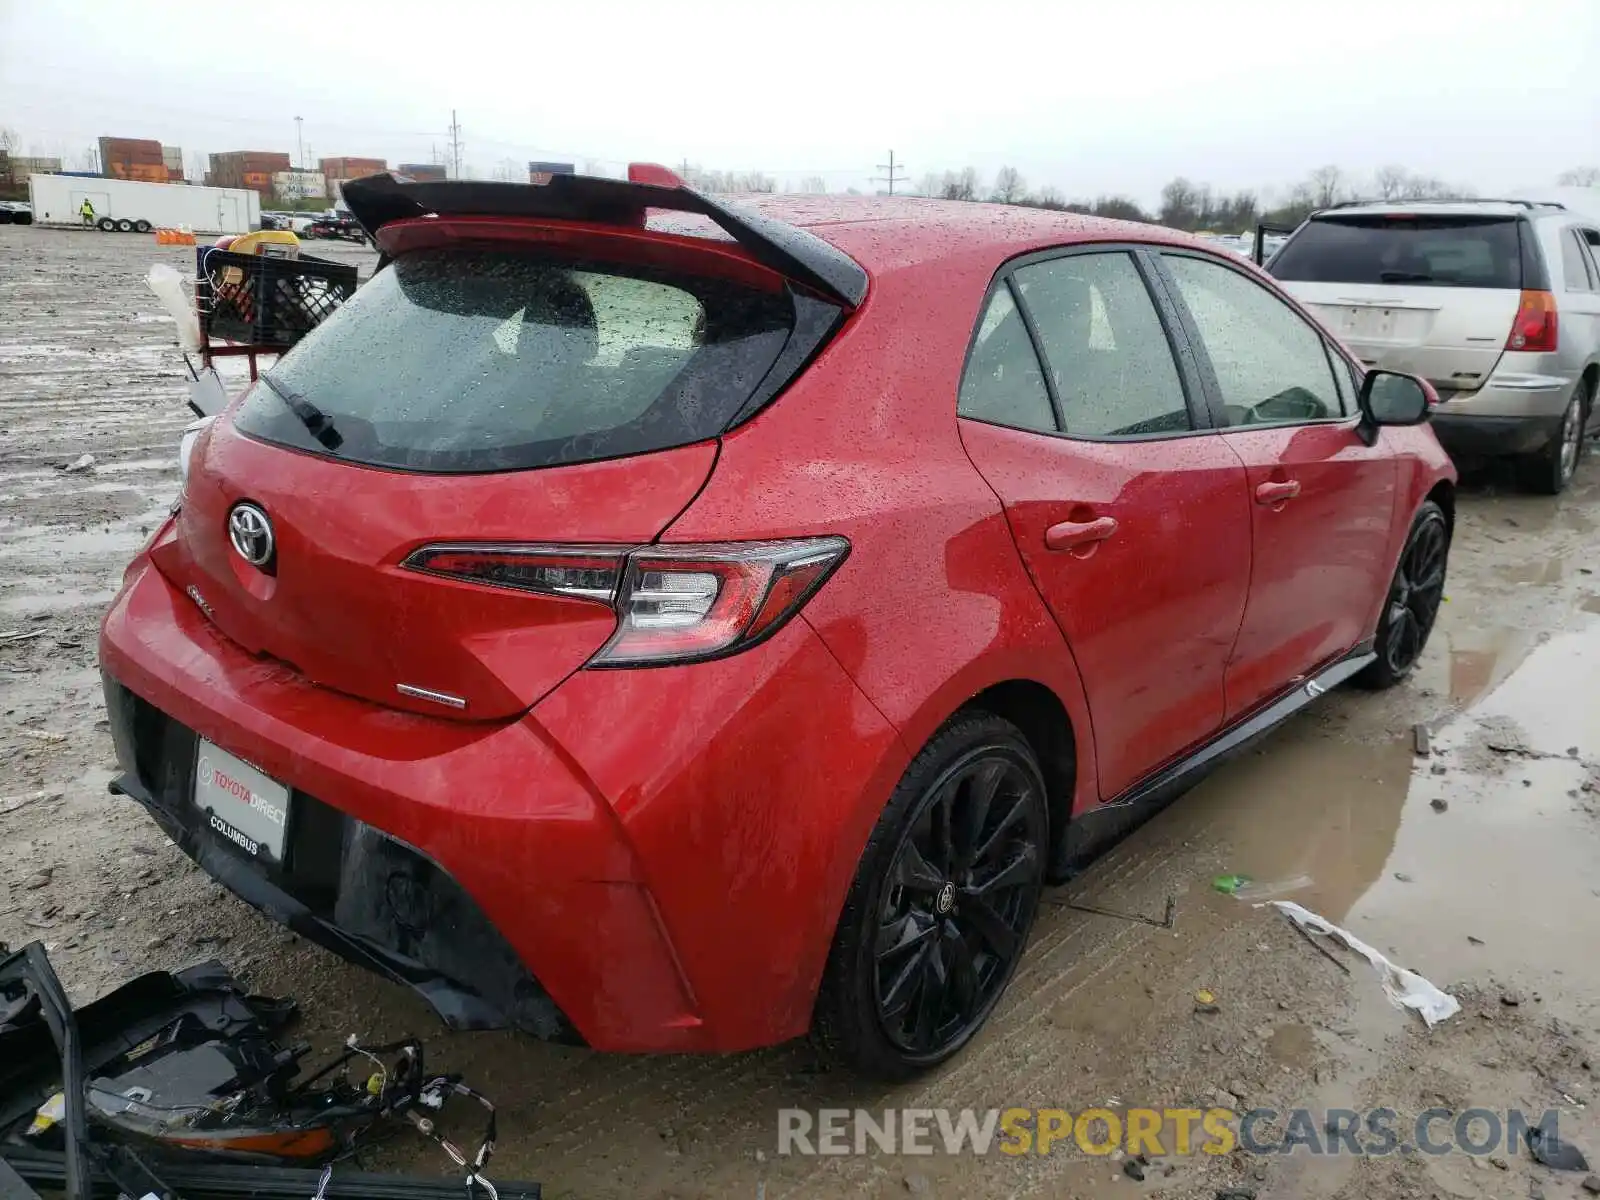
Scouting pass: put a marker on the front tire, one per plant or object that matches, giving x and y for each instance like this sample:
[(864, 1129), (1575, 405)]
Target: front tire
[(942, 903), (1413, 600), (1550, 470)]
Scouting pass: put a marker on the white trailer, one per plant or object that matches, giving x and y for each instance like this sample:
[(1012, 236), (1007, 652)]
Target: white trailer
[(129, 206)]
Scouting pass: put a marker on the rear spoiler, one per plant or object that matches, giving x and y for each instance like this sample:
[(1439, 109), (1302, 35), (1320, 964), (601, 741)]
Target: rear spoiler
[(377, 200)]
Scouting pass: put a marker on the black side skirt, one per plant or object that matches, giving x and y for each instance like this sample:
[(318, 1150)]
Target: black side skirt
[(1092, 833)]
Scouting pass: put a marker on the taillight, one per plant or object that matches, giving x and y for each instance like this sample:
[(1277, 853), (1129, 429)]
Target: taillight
[(1534, 327), (674, 603)]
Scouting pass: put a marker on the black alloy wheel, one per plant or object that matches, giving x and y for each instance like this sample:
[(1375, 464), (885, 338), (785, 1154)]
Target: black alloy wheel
[(1414, 597), (942, 904)]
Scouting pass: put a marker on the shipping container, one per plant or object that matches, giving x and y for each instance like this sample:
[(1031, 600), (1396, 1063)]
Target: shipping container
[(137, 207), (252, 169), (423, 172), (129, 150), (344, 168)]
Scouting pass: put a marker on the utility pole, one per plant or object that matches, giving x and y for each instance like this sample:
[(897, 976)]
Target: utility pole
[(455, 143), (896, 173), (300, 143)]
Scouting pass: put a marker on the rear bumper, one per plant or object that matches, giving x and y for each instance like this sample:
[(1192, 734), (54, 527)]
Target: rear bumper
[(650, 860), (1468, 435)]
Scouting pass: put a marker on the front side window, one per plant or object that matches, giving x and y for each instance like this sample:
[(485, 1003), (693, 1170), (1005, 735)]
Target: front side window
[(1003, 384), (1102, 339), (1271, 366)]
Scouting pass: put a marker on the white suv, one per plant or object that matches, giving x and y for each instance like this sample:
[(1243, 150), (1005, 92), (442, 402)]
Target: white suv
[(1496, 302)]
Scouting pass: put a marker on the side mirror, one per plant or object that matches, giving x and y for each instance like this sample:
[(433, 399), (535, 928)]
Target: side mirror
[(1390, 398)]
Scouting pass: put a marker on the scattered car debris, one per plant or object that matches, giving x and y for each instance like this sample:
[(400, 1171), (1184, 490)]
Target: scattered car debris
[(82, 463), (1135, 1167), (1205, 1001), (1422, 739), (1319, 947), (1167, 921), (1592, 1185), (19, 635), (1404, 988), (188, 1068), (1439, 804), (1228, 885), (1547, 1148)]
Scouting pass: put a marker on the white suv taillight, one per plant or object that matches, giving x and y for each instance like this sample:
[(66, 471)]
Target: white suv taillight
[(674, 603)]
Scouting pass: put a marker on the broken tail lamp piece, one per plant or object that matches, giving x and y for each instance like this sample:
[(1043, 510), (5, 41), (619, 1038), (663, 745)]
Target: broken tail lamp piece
[(174, 1084)]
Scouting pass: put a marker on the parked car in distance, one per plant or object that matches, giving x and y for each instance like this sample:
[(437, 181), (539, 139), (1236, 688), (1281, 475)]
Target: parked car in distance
[(340, 226), (1495, 302), (15, 212), (683, 643)]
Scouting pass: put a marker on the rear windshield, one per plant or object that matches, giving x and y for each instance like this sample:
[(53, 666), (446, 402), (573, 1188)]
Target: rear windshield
[(1427, 251), (471, 360)]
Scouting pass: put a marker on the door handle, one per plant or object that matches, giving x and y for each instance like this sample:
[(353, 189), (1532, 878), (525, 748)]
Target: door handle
[(1276, 492), (1069, 535)]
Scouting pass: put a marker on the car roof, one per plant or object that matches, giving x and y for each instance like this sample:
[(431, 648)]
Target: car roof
[(890, 232), (1378, 208)]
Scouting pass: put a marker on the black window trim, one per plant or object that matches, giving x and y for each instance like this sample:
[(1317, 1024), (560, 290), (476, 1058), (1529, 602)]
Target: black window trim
[(1208, 374), (1184, 361)]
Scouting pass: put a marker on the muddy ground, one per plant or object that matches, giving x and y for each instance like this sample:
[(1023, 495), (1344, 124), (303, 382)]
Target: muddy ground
[(1496, 897)]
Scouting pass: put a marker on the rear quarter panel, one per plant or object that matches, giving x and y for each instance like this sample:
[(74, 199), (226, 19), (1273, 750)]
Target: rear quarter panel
[(933, 604)]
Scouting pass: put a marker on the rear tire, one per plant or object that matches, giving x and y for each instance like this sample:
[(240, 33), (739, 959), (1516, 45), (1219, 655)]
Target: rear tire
[(942, 903), (106, 225), (1412, 602), (1548, 472), (141, 226)]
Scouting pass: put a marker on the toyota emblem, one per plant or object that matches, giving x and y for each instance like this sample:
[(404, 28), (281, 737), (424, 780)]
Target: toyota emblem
[(250, 531)]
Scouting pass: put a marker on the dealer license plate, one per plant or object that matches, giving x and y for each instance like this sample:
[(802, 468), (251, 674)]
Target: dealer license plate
[(240, 804)]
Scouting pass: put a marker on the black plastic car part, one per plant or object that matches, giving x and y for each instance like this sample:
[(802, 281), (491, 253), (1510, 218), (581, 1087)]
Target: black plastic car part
[(378, 200)]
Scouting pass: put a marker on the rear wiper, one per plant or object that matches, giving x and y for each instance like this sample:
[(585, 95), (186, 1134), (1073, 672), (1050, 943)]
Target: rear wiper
[(1406, 277), (318, 424)]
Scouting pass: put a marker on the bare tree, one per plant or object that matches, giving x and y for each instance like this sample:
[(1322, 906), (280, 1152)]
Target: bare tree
[(198, 166), (89, 160), (1049, 197), (1327, 185), (814, 184), (9, 140), (1009, 186), (1580, 177), (1181, 204), (1390, 182), (1118, 208), (931, 184), (509, 171), (962, 185)]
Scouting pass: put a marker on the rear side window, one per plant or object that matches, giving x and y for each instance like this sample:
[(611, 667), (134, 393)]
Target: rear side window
[(1003, 384), (1109, 358), (1575, 262), (487, 360), (1424, 251)]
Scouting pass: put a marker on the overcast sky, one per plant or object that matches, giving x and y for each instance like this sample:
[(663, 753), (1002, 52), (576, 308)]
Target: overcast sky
[(1109, 96)]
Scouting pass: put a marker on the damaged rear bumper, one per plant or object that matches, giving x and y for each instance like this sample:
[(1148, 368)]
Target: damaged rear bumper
[(376, 903)]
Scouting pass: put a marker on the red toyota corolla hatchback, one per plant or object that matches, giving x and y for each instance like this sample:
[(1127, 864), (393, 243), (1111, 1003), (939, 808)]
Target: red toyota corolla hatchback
[(677, 626)]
